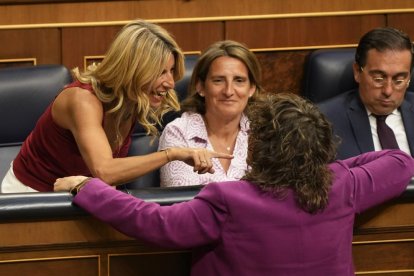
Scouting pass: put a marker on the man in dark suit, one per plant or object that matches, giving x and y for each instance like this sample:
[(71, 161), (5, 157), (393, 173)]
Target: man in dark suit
[(383, 62)]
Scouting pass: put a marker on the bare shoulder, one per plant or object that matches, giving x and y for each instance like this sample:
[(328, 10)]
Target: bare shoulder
[(75, 103), (76, 98), (79, 95)]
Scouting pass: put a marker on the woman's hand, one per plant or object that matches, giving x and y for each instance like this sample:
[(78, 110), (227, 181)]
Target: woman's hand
[(67, 183), (200, 159)]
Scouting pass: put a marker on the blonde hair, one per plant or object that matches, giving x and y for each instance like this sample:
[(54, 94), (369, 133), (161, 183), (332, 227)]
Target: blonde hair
[(134, 61)]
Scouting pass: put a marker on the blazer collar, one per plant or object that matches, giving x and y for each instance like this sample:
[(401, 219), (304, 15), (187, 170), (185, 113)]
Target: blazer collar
[(359, 121), (407, 114)]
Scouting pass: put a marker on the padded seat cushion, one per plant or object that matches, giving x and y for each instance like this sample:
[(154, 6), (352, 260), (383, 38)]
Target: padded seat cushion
[(25, 92)]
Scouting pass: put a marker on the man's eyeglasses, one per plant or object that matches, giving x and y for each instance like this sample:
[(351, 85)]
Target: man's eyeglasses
[(397, 83)]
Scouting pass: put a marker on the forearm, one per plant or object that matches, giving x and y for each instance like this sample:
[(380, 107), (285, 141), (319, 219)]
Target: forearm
[(112, 206), (365, 158), (117, 171), (382, 179), (181, 225)]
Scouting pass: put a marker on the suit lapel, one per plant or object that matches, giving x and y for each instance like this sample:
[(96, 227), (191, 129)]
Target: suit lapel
[(407, 113), (359, 122)]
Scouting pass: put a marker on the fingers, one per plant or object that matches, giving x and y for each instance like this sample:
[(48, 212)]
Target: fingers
[(205, 163), (200, 158), (202, 161), (56, 186), (67, 183), (215, 154), (59, 186)]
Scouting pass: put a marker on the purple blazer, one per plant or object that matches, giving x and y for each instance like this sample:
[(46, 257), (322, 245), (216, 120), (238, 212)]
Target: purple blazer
[(234, 228)]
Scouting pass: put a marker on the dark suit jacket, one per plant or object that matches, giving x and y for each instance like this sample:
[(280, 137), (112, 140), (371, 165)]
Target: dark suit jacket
[(350, 122)]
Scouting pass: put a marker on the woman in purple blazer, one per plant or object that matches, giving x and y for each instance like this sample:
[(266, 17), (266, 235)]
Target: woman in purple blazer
[(292, 214)]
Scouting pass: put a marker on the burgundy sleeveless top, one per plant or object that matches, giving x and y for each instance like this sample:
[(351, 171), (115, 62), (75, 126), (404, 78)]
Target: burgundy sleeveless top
[(50, 152)]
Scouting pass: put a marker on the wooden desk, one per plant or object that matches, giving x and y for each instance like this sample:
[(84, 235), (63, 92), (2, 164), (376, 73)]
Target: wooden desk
[(43, 234), (384, 239)]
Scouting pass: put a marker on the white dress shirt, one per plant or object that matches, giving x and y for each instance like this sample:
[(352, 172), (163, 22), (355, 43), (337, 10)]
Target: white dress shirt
[(395, 122), (190, 131)]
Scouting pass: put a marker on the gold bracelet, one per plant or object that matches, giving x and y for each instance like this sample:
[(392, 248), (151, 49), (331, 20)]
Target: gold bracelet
[(79, 186), (166, 153)]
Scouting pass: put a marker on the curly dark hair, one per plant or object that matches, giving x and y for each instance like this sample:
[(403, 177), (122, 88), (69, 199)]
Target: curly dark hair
[(290, 146)]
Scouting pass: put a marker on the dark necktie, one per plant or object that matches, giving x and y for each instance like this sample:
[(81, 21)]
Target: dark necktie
[(385, 134)]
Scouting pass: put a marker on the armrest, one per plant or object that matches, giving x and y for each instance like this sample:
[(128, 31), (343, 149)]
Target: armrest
[(32, 206), (28, 206)]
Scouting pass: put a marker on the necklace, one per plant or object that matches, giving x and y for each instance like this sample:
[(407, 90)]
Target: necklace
[(217, 142)]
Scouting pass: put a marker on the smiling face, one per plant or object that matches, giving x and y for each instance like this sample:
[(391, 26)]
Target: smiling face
[(390, 65), (227, 88), (163, 84)]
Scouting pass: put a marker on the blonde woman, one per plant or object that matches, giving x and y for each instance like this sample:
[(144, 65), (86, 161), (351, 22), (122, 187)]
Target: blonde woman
[(86, 129)]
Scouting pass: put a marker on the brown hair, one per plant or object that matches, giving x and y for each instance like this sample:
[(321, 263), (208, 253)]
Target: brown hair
[(194, 102), (290, 146)]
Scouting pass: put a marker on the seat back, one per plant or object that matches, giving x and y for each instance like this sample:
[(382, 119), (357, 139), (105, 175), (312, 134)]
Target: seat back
[(328, 73), (182, 86), (141, 145), (25, 93)]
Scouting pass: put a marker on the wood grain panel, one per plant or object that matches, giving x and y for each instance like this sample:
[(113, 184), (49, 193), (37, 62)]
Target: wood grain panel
[(378, 218), (92, 11), (298, 32), (196, 36), (173, 264), (42, 44), (384, 239), (80, 42), (52, 267), (22, 62), (403, 21), (385, 256), (54, 233), (282, 71), (12, 2), (85, 41)]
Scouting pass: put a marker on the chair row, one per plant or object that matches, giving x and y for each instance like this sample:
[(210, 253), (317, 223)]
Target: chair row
[(26, 92)]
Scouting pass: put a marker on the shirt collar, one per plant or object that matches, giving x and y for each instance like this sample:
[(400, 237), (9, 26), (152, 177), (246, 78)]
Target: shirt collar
[(199, 130), (394, 112)]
